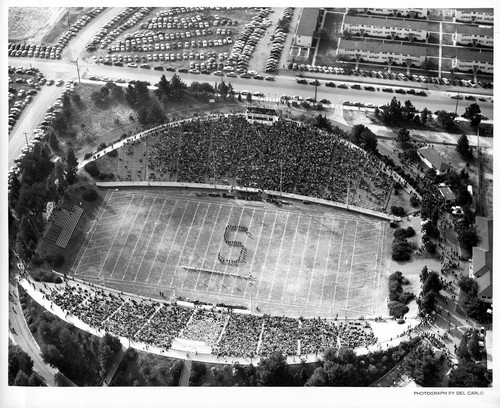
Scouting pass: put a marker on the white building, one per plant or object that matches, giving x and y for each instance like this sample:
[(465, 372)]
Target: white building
[(261, 115), (469, 15), (467, 60), (382, 53), (398, 12), (473, 35), (386, 28), (306, 28)]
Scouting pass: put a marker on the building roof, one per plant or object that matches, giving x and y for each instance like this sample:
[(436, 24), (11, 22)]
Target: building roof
[(474, 30), (465, 54), (434, 158), (475, 10), (447, 193), (385, 22), (262, 111), (308, 21), (484, 285), (379, 46), (482, 254)]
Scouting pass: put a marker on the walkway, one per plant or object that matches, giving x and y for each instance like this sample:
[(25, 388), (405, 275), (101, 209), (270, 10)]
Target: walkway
[(186, 373)]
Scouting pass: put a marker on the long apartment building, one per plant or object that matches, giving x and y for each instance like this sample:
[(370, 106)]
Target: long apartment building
[(470, 15), (307, 26), (469, 35), (467, 60), (398, 12), (386, 28), (380, 53)]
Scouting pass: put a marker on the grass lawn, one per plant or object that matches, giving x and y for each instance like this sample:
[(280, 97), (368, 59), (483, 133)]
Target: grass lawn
[(306, 260)]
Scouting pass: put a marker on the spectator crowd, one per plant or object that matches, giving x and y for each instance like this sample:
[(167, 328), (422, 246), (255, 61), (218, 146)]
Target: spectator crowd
[(228, 333)]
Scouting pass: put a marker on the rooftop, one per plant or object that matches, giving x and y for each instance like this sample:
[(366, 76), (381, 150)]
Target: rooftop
[(308, 21), (447, 193), (465, 54), (379, 46), (475, 10), (263, 111), (474, 30), (434, 158), (386, 22)]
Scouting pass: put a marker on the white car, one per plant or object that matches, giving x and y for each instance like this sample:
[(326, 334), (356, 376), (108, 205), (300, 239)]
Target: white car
[(59, 82)]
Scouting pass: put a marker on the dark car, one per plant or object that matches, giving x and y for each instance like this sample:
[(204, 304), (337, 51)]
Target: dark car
[(387, 90), (400, 91), (301, 81), (369, 88), (258, 77), (158, 68), (355, 86), (315, 83), (182, 70), (330, 84)]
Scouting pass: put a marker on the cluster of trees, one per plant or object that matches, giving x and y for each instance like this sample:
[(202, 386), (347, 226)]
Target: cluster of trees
[(431, 285), (20, 369), (39, 181), (423, 367), (363, 137), (80, 356), (468, 373), (473, 113), (397, 298), (145, 369), (173, 90), (401, 247), (474, 307), (396, 114), (103, 97)]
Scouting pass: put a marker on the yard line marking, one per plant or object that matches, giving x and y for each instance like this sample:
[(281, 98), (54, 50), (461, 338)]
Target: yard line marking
[(172, 243), (378, 266), (208, 245), (350, 269), (302, 261), (338, 267), (332, 232), (290, 259), (314, 261), (138, 238), (255, 252), (150, 238), (279, 254), (87, 239), (184, 245), (195, 244), (230, 252), (118, 229), (220, 246), (163, 236), (267, 253), (123, 243)]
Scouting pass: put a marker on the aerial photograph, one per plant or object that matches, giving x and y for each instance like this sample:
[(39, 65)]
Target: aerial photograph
[(204, 196)]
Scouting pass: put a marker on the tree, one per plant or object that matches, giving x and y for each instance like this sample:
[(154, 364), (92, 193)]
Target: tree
[(177, 88), (468, 239), (432, 283), (463, 148), (318, 379), (471, 111), (18, 361), (424, 116), (427, 304), (53, 142), (223, 90), (163, 90), (469, 374), (468, 285), (408, 111), (109, 346), (422, 365), (403, 138), (446, 120), (71, 166), (249, 97), (273, 370)]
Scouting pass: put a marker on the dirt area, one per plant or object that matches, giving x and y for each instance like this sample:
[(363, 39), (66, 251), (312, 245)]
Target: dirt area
[(33, 24)]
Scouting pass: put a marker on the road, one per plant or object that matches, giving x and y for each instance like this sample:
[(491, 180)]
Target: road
[(21, 335), (438, 98)]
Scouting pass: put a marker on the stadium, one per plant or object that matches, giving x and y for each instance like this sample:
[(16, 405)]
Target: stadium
[(284, 222)]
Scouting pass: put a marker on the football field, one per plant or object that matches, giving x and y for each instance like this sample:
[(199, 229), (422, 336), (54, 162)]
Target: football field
[(299, 259)]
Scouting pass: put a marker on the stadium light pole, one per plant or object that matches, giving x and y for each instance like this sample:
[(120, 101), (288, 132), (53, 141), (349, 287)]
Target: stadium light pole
[(77, 70)]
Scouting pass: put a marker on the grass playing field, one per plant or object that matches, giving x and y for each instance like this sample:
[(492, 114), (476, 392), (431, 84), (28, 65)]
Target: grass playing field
[(305, 260)]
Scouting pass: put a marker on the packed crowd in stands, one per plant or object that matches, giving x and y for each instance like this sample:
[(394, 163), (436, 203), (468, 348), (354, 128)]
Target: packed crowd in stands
[(228, 333), (205, 326), (288, 155), (241, 336)]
